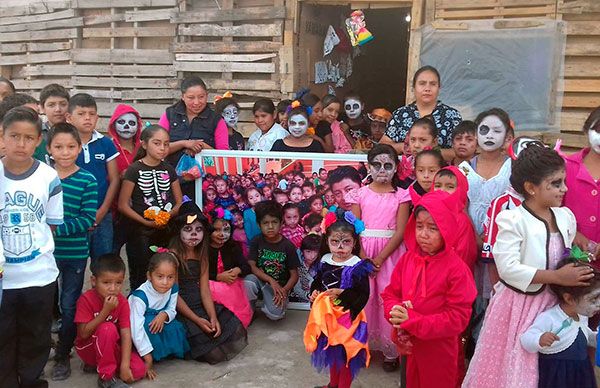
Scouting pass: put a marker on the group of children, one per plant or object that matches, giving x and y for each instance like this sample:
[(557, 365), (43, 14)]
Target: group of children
[(425, 260)]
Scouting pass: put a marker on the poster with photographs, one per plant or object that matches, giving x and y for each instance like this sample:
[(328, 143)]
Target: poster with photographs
[(237, 180)]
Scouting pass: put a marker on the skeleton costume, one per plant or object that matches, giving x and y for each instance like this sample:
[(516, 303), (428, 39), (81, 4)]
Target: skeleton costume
[(125, 123), (152, 187)]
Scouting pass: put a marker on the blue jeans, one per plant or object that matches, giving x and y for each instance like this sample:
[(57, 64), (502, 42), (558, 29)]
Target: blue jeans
[(70, 282), (101, 238)]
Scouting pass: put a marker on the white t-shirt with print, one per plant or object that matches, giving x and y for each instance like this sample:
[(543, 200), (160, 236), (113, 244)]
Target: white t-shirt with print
[(33, 201), (259, 142), (2, 185)]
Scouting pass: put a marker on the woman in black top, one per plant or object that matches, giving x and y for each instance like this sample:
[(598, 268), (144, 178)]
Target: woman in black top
[(298, 140)]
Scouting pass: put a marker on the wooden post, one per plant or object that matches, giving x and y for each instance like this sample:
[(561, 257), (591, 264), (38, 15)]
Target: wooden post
[(414, 48)]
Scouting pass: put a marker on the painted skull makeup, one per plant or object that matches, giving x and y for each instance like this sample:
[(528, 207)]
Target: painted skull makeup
[(192, 234), (353, 108), (491, 134), (589, 304), (594, 138), (297, 125), (382, 168), (231, 115), (126, 125)]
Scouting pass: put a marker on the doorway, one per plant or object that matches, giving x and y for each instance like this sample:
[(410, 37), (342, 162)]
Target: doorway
[(378, 67)]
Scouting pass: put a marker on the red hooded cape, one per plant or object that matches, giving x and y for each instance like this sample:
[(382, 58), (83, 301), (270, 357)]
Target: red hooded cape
[(441, 289), (125, 157)]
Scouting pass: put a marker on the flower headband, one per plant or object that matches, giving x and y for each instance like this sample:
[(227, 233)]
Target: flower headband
[(224, 214), (227, 94), (157, 249), (297, 104), (333, 216), (577, 255)]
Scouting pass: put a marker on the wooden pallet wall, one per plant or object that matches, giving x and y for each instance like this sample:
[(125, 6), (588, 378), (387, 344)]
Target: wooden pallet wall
[(136, 51), (582, 52)]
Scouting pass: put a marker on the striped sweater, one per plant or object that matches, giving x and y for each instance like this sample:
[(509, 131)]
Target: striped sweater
[(80, 196)]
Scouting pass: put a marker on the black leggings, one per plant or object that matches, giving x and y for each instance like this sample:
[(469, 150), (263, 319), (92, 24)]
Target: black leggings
[(139, 241)]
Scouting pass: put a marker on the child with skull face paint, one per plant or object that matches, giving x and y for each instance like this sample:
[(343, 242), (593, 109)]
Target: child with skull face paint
[(320, 129), (298, 140), (229, 109), (561, 335), (488, 175), (227, 266), (384, 208), (214, 333), (356, 125)]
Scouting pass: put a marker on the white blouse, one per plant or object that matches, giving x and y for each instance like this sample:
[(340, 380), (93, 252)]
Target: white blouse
[(551, 321), (137, 306)]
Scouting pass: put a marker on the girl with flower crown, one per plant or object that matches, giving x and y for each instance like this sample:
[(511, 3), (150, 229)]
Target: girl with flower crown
[(336, 332), (227, 266), (299, 139), (384, 207)]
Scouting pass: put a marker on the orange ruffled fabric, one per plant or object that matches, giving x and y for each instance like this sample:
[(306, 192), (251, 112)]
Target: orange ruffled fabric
[(334, 322)]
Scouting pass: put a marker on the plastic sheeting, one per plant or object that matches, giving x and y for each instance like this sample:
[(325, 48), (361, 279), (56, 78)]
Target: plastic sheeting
[(517, 69)]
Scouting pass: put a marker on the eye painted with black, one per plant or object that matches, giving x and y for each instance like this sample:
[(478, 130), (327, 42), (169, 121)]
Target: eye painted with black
[(484, 129)]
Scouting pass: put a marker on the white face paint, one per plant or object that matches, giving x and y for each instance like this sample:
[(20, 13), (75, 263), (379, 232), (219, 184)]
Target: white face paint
[(192, 234), (589, 304), (297, 125), (594, 138), (126, 125), (231, 115), (491, 134), (353, 108), (382, 168)]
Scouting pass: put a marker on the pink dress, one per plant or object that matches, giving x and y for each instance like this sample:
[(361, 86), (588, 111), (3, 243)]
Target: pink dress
[(378, 212), (341, 145), (499, 359)]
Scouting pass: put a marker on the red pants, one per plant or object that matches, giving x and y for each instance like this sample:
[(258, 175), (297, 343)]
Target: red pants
[(433, 363), (340, 377), (103, 350)]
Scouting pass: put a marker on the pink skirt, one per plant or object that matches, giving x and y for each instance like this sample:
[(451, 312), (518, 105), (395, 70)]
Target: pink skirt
[(499, 359), (233, 296)]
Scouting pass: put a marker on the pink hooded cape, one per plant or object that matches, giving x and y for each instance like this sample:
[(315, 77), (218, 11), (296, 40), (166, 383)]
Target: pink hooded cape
[(125, 157), (441, 290)]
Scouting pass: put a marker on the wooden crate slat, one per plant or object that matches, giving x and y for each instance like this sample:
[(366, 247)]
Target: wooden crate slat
[(224, 57), (254, 30), (573, 119), (97, 93), (585, 49), (83, 4), (494, 12), (227, 47), (122, 56), (32, 8), (242, 84), (22, 84), (472, 4), (68, 33), (37, 26), (582, 85), (582, 67), (583, 28), (66, 14), (581, 100), (229, 15), (56, 56), (98, 70), (146, 110), (12, 48), (120, 32), (92, 20), (149, 15), (142, 83), (220, 67)]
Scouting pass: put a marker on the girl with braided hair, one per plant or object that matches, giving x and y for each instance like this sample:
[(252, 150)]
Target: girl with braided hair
[(530, 242)]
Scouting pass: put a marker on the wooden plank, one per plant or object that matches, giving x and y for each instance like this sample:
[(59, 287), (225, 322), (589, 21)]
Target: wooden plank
[(56, 56), (122, 56), (52, 24), (85, 4), (8, 48), (573, 119), (246, 30), (69, 13), (225, 48), (243, 84), (224, 57), (582, 67), (92, 20), (579, 7), (471, 4), (97, 93), (229, 15), (38, 35), (149, 15), (495, 12), (585, 49), (45, 7), (23, 84), (581, 100), (219, 67), (142, 83), (583, 28), (151, 94), (582, 85), (98, 70), (120, 32), (145, 110)]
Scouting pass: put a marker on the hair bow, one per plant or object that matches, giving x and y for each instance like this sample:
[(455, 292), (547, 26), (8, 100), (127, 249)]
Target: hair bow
[(224, 214), (358, 224), (334, 216), (227, 94), (156, 249), (576, 255), (298, 104)]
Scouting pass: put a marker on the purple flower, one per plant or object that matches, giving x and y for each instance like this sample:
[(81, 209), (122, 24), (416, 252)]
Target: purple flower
[(350, 217)]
